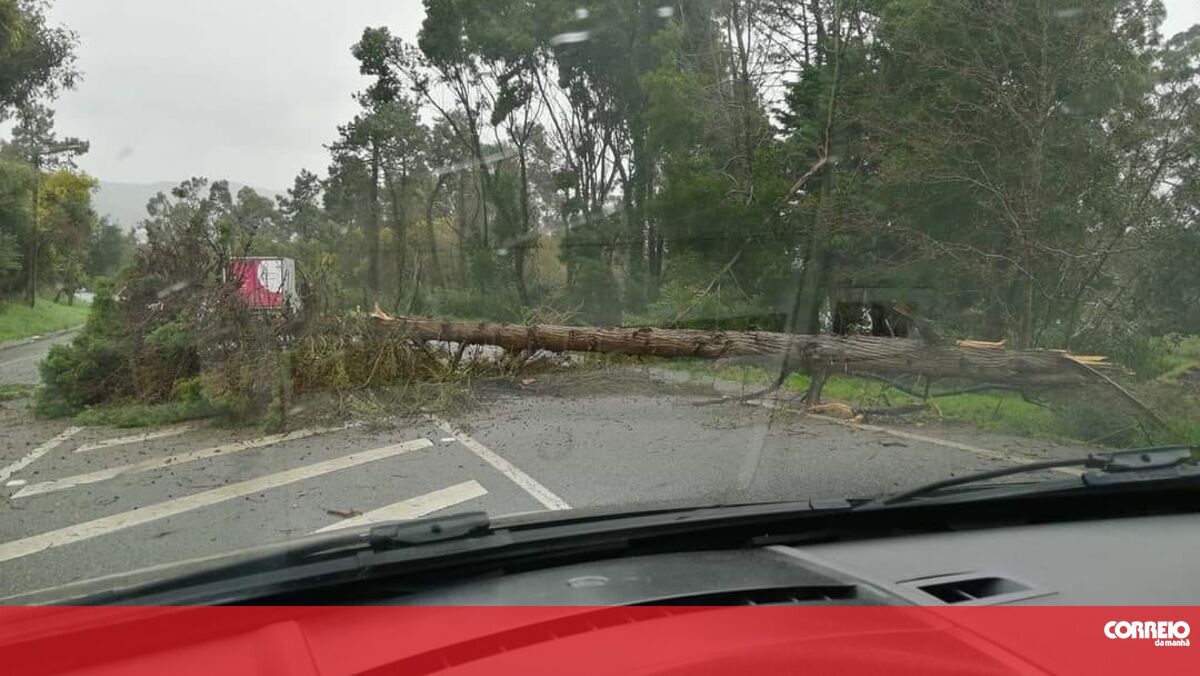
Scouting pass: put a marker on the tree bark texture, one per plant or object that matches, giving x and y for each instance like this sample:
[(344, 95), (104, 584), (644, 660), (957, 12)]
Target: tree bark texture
[(815, 354)]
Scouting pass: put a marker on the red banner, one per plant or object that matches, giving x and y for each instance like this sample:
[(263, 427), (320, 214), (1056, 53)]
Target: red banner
[(579, 640), (264, 283)]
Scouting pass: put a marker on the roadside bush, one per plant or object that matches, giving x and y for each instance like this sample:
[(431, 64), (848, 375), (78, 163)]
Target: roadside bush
[(18, 391), (132, 414), (189, 399), (198, 358), (237, 353), (167, 354), (188, 389), (173, 340), (93, 368)]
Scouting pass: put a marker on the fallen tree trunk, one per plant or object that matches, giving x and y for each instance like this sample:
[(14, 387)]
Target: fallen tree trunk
[(815, 354)]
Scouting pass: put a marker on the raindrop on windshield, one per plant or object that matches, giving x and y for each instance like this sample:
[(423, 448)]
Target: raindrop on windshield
[(569, 38)]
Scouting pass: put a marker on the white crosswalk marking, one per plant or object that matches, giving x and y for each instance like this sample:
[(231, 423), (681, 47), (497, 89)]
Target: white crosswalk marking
[(530, 485), (136, 438), (38, 452), (168, 461), (148, 513), (413, 508)]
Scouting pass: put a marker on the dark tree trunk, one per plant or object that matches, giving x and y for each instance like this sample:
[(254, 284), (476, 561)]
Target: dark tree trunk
[(373, 226), (521, 246), (815, 274), (399, 231), (435, 270)]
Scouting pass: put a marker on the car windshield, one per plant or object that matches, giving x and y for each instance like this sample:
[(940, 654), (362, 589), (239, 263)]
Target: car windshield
[(273, 268)]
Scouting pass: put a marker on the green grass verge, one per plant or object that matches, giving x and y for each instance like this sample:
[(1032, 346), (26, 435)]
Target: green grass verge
[(10, 392), (1176, 356), (999, 411), (146, 415), (1005, 412), (18, 320)]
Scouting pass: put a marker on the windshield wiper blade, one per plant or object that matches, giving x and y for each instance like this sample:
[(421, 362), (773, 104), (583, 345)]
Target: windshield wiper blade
[(397, 534), (281, 566), (1108, 464)]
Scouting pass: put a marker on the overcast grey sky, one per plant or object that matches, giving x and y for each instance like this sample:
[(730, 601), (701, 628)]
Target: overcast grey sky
[(247, 90), (242, 89)]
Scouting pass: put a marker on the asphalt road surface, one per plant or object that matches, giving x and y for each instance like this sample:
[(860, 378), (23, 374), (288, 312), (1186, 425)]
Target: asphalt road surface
[(78, 503), (18, 364)]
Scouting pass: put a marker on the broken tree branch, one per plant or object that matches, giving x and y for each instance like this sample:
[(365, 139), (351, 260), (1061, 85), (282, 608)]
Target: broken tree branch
[(926, 394)]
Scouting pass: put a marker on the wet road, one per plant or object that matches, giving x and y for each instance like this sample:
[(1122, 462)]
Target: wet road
[(18, 363), (80, 503)]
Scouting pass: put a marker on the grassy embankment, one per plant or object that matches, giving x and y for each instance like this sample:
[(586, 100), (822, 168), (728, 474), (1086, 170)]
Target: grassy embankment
[(1172, 390), (18, 320)]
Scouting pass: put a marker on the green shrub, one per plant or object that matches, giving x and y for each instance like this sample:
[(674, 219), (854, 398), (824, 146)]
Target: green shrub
[(20, 391), (188, 389), (147, 415), (92, 368), (173, 339), (275, 419), (1174, 354)]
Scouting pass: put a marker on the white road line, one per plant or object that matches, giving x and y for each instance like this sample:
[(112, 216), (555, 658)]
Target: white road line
[(168, 461), (529, 484), (148, 513), (133, 439), (748, 469), (413, 508), (38, 452), (981, 452)]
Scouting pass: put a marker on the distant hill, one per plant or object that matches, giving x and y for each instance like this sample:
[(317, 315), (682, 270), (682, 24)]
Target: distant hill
[(125, 203)]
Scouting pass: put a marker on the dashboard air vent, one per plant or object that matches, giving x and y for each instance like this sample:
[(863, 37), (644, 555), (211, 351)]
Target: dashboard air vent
[(971, 589), (768, 596)]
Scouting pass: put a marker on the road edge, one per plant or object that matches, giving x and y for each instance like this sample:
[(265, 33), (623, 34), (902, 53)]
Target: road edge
[(732, 388), (18, 342)]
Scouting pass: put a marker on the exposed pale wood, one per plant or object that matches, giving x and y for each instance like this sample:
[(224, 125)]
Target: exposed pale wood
[(983, 344)]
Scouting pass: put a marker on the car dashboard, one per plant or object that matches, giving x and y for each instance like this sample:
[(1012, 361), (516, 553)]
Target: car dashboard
[(900, 604), (1131, 561)]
